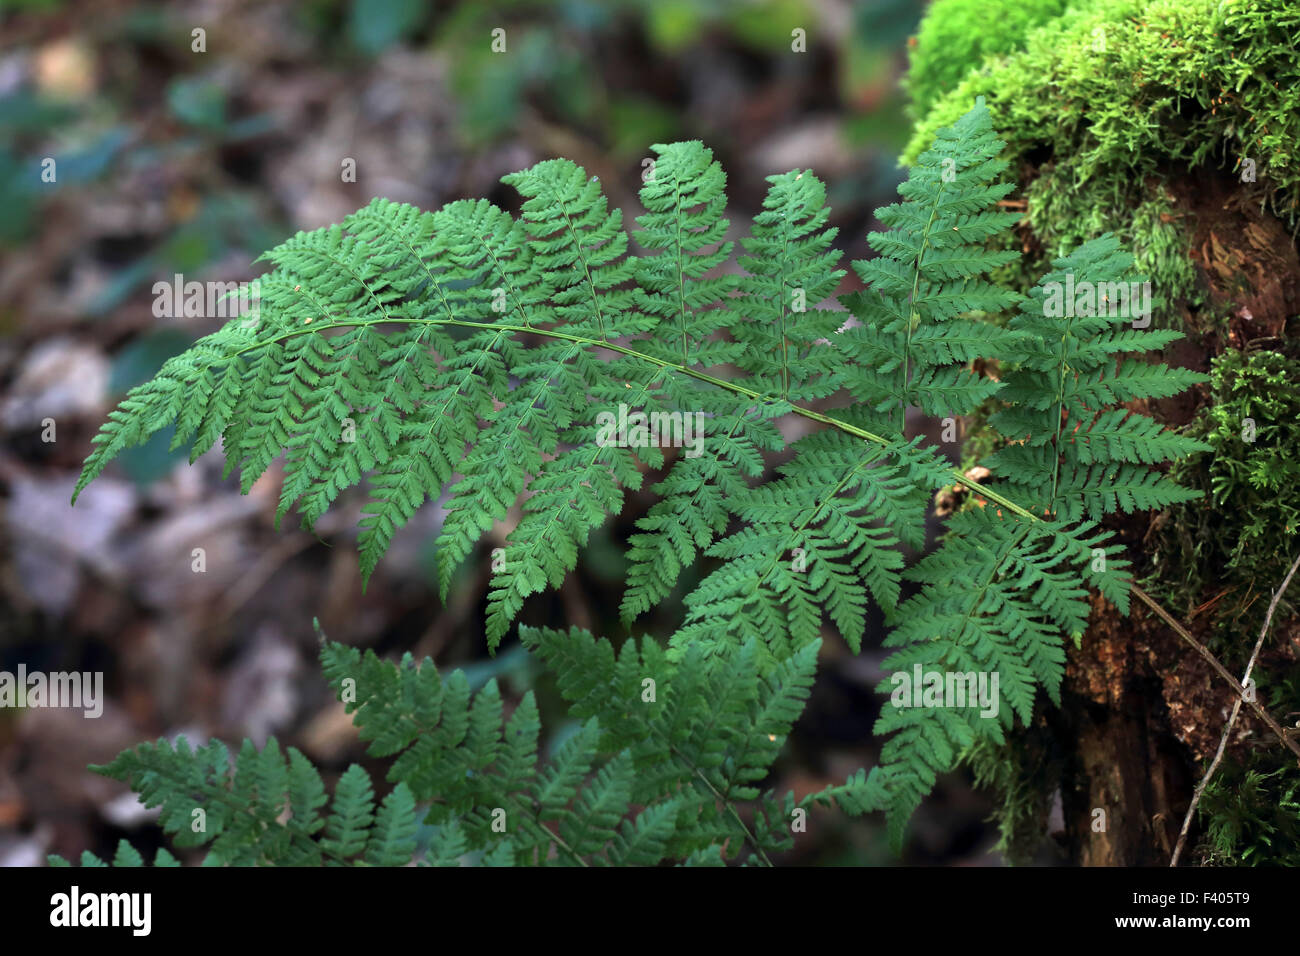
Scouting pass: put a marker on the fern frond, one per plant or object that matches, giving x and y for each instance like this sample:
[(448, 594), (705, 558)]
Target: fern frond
[(909, 347), (538, 368), (463, 352)]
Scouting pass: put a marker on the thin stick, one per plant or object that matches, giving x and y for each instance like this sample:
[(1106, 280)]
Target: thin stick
[(1232, 718), (1219, 669)]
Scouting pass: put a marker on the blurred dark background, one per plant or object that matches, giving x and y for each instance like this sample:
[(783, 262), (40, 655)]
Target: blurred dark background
[(174, 160)]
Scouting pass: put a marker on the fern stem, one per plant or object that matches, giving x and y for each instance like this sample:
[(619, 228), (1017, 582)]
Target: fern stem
[(681, 279), (785, 345), (1060, 409), (559, 841)]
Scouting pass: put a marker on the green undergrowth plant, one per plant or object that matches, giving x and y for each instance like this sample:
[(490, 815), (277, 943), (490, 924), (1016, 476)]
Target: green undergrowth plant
[(495, 360)]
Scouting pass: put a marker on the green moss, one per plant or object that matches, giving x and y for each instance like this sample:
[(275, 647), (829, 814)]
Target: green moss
[(1240, 538), (956, 35), (1108, 101), (1128, 84), (1252, 815)]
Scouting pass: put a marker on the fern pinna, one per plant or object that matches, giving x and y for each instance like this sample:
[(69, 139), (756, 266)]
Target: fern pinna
[(493, 360)]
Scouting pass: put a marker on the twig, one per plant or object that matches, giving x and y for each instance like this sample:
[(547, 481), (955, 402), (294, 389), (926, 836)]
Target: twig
[(1232, 718), (1222, 671)]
